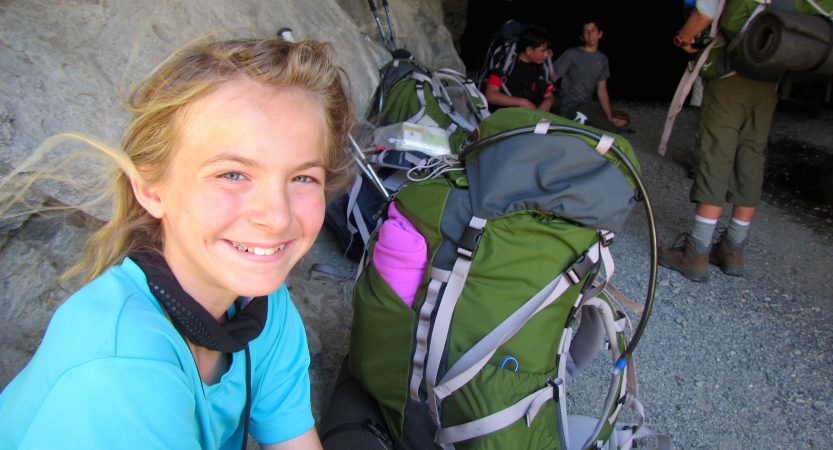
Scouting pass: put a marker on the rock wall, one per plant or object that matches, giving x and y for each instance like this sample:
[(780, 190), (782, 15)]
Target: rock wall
[(64, 66)]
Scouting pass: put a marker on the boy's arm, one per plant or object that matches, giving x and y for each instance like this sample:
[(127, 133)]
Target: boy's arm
[(696, 23), (495, 97), (548, 98), (604, 99), (546, 104)]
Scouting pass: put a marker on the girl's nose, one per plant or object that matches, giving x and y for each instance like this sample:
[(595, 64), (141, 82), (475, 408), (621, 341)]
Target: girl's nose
[(271, 208)]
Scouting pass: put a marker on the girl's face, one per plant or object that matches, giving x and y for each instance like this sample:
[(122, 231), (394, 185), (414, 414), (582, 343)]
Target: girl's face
[(244, 198)]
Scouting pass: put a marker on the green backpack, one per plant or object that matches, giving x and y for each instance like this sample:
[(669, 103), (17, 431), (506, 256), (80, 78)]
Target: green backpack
[(517, 243), (444, 98)]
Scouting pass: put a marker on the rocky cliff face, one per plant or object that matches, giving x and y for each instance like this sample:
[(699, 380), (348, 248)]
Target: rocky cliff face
[(64, 66)]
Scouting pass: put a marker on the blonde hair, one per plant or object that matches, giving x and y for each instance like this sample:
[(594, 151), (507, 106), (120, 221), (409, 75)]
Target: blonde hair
[(159, 105)]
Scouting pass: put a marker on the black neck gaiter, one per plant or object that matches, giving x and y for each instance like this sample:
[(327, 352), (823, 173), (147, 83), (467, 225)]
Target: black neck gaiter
[(190, 318)]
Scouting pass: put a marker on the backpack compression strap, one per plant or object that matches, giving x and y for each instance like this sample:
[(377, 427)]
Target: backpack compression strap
[(438, 278), (467, 248), (508, 65), (353, 208)]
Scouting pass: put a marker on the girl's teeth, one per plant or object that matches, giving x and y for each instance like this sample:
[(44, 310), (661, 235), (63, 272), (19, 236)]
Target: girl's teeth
[(259, 251)]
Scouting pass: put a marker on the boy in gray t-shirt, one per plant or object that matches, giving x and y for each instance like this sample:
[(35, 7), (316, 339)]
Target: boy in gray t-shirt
[(585, 71)]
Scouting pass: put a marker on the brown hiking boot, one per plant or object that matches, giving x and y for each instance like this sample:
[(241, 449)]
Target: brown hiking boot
[(730, 261), (683, 257)]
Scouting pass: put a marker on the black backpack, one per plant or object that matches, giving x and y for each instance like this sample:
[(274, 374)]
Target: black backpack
[(502, 54)]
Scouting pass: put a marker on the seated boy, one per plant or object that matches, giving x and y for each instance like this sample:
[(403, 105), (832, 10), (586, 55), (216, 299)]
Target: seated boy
[(584, 71), (527, 83)]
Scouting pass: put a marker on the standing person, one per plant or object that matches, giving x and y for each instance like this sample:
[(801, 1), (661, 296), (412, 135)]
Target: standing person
[(584, 71), (729, 163), (184, 335), (527, 83)]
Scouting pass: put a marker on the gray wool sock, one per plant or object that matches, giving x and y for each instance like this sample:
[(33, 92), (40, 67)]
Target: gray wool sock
[(736, 234), (701, 233)]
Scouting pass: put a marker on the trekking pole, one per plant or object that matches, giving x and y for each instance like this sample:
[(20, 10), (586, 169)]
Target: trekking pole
[(358, 156), (390, 25), (379, 23)]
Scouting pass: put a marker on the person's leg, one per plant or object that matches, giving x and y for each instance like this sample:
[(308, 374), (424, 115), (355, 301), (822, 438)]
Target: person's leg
[(705, 221), (556, 104), (722, 117), (689, 255), (727, 253), (569, 113), (596, 117), (747, 178), (739, 226), (717, 133)]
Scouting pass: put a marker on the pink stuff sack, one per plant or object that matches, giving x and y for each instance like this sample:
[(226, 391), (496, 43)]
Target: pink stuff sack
[(400, 255)]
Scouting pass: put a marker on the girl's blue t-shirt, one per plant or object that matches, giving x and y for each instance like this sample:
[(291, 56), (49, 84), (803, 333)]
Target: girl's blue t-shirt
[(113, 372)]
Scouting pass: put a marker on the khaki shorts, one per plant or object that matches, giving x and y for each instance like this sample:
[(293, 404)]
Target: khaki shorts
[(731, 139)]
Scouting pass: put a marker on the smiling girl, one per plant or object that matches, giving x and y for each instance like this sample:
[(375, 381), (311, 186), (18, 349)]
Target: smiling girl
[(184, 336)]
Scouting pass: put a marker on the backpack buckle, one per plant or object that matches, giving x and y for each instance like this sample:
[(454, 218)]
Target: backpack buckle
[(374, 428), (606, 238), (468, 244), (579, 269), (556, 393), (591, 280)]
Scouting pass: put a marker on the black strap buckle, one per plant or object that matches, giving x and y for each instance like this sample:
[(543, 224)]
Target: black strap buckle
[(375, 429), (590, 283), (556, 393), (579, 269), (469, 242)]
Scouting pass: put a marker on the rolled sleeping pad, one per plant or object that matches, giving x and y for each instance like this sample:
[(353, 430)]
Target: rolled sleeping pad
[(780, 42)]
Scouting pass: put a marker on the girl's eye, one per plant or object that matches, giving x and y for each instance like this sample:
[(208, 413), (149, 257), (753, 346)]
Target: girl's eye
[(233, 176), (305, 179)]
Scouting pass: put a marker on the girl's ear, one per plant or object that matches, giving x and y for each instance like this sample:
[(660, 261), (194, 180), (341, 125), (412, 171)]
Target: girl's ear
[(148, 196)]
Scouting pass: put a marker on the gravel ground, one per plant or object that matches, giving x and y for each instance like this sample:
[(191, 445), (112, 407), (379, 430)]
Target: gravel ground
[(731, 363), (735, 362)]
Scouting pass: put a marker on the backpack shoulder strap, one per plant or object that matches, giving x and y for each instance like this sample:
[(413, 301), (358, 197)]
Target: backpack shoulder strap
[(466, 250), (476, 358)]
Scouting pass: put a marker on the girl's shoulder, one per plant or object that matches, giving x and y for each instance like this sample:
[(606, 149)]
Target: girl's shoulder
[(115, 315), (283, 319)]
